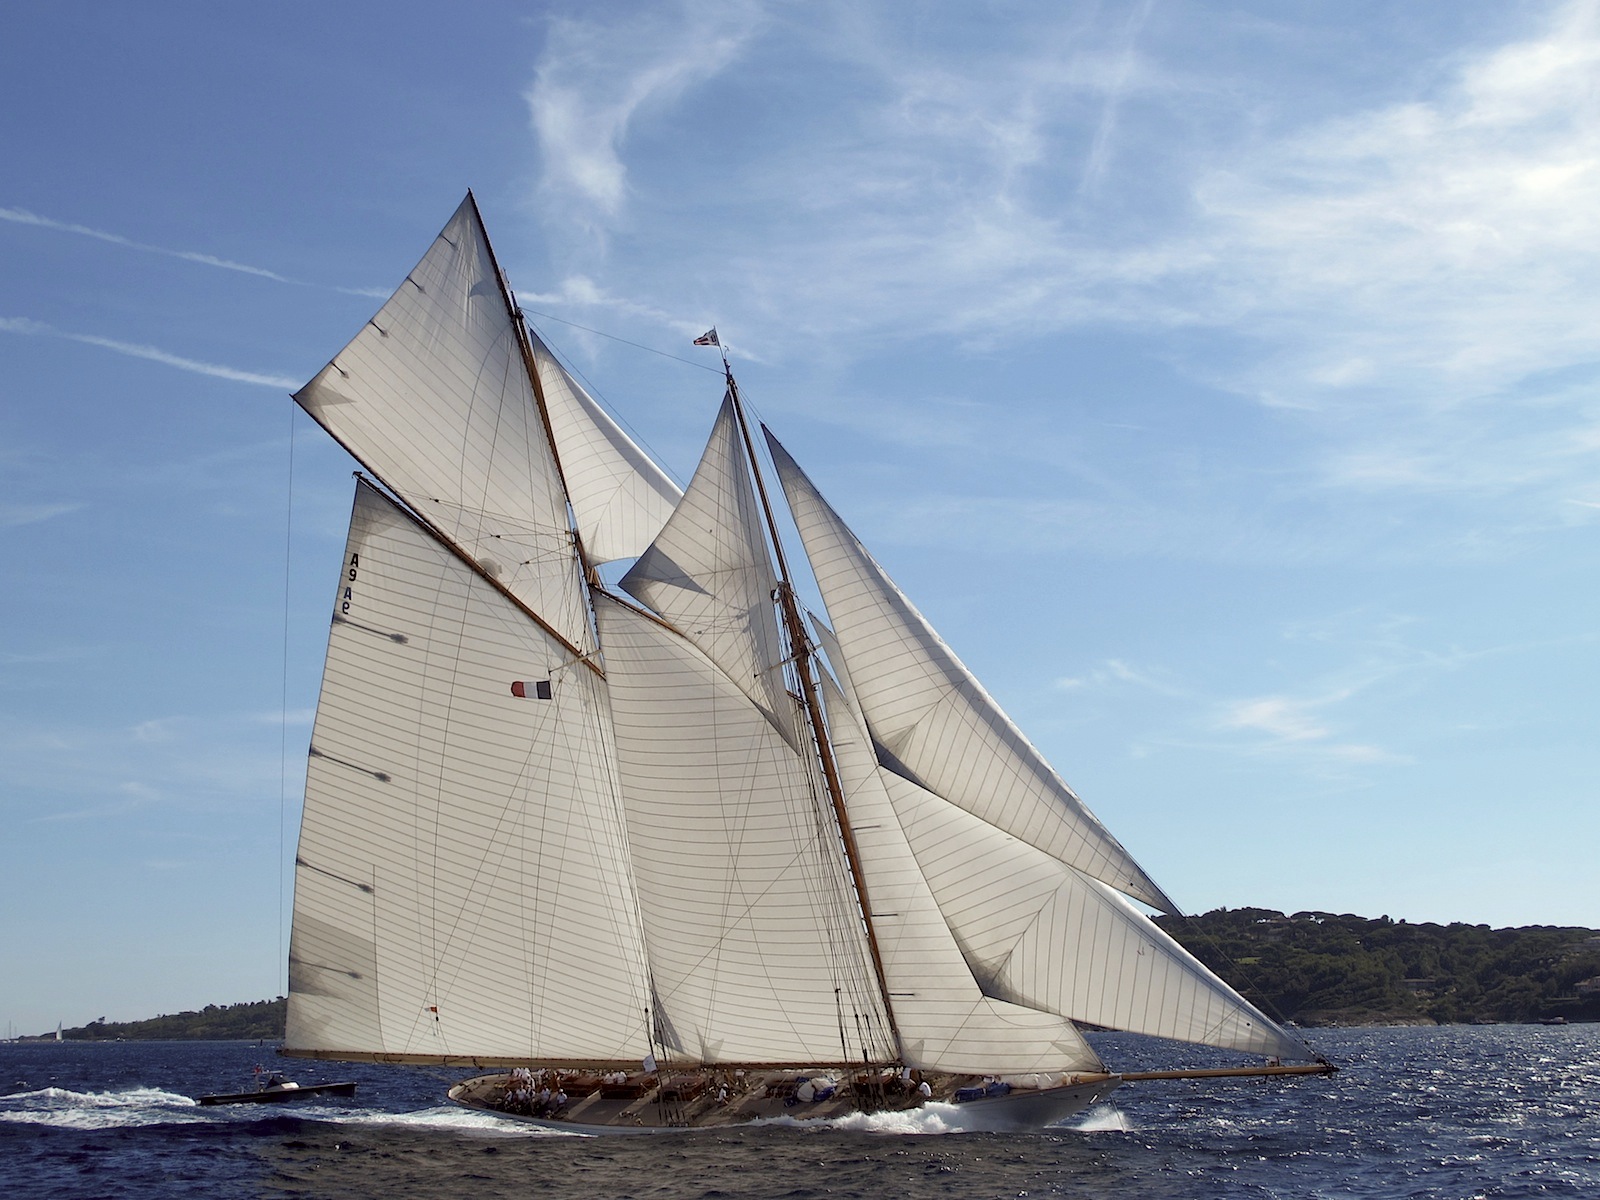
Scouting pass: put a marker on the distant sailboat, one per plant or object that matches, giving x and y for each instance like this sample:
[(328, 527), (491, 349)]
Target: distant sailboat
[(678, 852)]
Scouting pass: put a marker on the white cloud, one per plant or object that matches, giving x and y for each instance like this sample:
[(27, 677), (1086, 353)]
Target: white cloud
[(592, 82)]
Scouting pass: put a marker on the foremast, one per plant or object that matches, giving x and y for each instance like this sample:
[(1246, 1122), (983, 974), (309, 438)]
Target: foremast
[(801, 654)]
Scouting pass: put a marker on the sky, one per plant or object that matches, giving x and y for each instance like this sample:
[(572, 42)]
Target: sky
[(1220, 380)]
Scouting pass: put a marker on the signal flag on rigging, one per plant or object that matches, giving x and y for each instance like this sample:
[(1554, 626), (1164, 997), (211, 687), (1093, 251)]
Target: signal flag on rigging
[(541, 689), (708, 338)]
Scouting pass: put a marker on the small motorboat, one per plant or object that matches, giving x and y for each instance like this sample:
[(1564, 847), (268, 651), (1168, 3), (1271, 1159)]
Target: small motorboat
[(273, 1088)]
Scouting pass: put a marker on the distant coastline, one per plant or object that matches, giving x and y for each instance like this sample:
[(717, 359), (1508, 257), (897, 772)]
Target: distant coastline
[(1312, 968)]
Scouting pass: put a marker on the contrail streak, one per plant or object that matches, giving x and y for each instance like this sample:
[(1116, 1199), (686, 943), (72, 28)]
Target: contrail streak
[(22, 216), (29, 328)]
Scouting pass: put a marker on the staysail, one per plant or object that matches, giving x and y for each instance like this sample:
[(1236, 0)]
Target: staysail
[(946, 1022), (462, 884), (929, 716), (1039, 933), (620, 497)]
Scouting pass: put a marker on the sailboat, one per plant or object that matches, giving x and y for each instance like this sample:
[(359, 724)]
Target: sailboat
[(674, 851)]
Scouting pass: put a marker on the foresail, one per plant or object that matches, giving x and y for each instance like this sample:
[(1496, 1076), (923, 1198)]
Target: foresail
[(945, 1021), (1039, 933), (620, 497), (710, 575), (931, 719), (433, 397), (746, 906), (461, 885)]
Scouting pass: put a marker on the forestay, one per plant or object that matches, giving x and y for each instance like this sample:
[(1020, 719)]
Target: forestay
[(433, 396), (462, 885), (748, 917), (931, 719), (620, 497)]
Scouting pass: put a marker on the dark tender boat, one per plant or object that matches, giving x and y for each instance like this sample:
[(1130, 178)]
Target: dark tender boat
[(275, 1089)]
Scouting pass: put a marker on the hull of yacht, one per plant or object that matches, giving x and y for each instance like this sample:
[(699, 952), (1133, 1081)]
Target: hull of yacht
[(705, 1103)]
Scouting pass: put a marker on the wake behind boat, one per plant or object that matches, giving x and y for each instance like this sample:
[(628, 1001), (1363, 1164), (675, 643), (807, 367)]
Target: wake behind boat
[(677, 832)]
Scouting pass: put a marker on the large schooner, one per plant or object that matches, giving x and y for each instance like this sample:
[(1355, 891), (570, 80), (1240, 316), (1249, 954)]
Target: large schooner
[(677, 852)]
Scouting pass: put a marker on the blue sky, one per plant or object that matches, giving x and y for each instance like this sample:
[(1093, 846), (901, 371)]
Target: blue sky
[(1220, 380)]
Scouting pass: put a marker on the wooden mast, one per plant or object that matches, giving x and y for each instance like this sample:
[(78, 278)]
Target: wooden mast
[(800, 650)]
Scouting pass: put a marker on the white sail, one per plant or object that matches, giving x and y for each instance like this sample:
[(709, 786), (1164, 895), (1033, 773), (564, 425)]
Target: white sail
[(710, 575), (1039, 933), (462, 883), (433, 397), (746, 910), (932, 720), (945, 1021), (620, 497)]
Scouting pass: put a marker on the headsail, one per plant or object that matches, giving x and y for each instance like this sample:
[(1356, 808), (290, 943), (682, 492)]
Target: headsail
[(433, 396), (946, 1022), (930, 717), (462, 883), (620, 497), (1039, 933)]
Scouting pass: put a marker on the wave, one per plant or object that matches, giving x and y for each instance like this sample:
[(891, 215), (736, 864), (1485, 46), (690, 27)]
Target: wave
[(449, 1119), (66, 1109)]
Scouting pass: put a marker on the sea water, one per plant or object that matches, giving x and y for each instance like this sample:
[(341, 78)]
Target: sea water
[(1447, 1113)]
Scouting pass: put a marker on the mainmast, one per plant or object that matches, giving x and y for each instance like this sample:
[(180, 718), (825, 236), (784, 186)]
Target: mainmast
[(801, 652)]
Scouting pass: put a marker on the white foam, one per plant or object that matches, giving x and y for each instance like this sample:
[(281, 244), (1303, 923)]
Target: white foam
[(450, 1118), (67, 1109), (1103, 1118), (931, 1118)]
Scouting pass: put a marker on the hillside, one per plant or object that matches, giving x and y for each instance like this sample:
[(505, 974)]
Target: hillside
[(231, 1022), (1315, 968), (1322, 968)]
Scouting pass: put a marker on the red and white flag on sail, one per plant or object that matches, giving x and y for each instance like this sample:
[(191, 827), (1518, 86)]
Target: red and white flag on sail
[(708, 338)]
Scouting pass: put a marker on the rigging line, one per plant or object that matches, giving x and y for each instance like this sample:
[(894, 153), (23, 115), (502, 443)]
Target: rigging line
[(636, 345), (566, 362), (283, 699)]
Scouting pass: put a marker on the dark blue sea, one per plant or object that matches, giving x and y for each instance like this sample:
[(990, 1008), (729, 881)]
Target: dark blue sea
[(1496, 1111)]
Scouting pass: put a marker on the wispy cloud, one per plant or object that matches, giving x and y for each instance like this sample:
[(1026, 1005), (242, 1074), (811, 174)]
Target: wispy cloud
[(1115, 672), (13, 515), (30, 328), (21, 216), (592, 82)]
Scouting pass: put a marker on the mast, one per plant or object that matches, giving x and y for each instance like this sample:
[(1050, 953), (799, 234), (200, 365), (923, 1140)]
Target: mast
[(800, 649), (590, 576)]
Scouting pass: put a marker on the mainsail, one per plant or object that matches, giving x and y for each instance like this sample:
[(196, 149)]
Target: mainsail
[(549, 823), (462, 885)]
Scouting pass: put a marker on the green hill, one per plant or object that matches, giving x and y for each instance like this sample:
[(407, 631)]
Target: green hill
[(230, 1022), (1322, 968), (1316, 968)]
